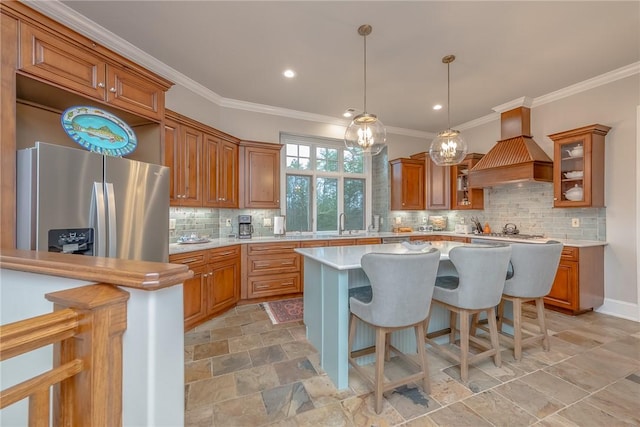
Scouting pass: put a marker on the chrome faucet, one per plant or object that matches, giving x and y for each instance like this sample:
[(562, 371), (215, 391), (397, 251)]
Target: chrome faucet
[(341, 222)]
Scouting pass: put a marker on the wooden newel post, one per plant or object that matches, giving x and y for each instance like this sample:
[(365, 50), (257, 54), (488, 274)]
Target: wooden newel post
[(94, 396)]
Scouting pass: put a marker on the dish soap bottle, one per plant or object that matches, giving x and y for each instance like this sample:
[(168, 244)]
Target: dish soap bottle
[(486, 229)]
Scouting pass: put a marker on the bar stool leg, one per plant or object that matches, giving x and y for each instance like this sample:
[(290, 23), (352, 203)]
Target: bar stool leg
[(500, 314), (422, 354), (387, 348), (379, 380), (464, 345), (542, 322), (517, 328), (493, 333), (452, 326)]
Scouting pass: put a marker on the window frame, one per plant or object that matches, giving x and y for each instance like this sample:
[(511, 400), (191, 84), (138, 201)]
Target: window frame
[(323, 142)]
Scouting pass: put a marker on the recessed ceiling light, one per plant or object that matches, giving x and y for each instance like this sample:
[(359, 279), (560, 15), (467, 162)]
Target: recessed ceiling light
[(437, 107), (349, 112), (289, 74)]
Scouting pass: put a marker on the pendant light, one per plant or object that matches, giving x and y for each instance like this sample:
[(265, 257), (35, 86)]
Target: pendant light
[(365, 134), (448, 147)]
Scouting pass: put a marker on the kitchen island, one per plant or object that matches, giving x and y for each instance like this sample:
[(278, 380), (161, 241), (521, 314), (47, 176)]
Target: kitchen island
[(329, 274)]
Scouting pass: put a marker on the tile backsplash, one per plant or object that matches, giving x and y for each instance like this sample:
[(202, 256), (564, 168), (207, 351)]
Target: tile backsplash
[(211, 222), (528, 205)]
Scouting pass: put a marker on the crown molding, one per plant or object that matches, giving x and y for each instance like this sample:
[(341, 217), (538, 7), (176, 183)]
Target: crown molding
[(479, 121), (524, 101), (78, 22), (601, 80)]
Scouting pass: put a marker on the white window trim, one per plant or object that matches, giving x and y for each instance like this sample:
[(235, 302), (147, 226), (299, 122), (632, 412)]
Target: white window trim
[(289, 138)]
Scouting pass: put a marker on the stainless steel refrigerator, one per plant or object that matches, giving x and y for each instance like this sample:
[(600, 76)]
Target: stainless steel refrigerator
[(75, 201)]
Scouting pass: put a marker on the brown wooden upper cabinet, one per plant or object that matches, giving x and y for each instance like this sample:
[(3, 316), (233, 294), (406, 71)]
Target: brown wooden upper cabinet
[(437, 183), (203, 162), (407, 184), (221, 172), (260, 175), (578, 167), (462, 195), (75, 63), (183, 154), (48, 66)]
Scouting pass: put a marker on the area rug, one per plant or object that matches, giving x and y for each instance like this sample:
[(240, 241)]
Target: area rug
[(284, 311)]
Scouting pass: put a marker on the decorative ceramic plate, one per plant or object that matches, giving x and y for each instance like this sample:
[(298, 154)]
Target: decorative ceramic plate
[(98, 131), (574, 174)]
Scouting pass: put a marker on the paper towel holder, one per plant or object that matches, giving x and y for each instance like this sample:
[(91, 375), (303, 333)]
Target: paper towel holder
[(279, 225)]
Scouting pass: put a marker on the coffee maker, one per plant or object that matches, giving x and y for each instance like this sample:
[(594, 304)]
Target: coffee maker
[(245, 229)]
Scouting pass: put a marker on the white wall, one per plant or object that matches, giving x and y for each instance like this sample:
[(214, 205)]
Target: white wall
[(613, 105)]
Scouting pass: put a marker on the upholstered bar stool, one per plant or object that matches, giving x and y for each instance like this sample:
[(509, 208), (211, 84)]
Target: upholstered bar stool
[(402, 286), (476, 288), (534, 269)]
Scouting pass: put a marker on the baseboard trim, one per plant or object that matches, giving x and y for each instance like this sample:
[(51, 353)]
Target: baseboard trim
[(622, 309)]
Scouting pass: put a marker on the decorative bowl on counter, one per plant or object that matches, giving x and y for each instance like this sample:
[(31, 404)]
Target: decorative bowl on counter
[(576, 151), (574, 174), (574, 194), (192, 239)]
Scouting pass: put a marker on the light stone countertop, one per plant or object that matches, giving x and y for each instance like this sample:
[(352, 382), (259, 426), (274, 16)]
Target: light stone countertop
[(177, 248), (348, 257)]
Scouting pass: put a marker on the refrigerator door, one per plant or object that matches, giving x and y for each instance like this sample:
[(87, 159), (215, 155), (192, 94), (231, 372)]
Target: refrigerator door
[(64, 184), (137, 196)]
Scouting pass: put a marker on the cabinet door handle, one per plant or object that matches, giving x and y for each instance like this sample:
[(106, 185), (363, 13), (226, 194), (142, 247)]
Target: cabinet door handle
[(224, 254), (112, 90), (100, 84)]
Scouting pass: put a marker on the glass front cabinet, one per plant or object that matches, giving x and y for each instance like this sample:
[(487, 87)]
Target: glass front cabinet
[(462, 195), (578, 167)]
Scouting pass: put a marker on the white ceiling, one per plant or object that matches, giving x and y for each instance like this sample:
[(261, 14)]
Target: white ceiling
[(504, 50)]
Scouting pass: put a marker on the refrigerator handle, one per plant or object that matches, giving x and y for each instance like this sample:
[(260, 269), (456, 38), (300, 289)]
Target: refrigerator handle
[(111, 218), (97, 219)]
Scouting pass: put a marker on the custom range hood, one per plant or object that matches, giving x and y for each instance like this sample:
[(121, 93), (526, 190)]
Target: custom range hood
[(515, 158)]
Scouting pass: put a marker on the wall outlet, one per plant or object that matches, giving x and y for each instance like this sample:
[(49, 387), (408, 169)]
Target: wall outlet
[(172, 223), (575, 222), (424, 219), (398, 220), (266, 222), (228, 222)]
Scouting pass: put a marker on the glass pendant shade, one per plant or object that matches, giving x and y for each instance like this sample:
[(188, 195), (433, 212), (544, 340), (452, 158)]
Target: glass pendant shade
[(365, 134), (448, 148)]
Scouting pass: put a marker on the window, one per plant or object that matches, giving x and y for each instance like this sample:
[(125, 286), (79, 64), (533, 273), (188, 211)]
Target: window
[(323, 180)]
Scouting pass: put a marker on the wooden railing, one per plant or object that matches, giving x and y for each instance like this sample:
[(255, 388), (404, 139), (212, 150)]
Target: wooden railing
[(86, 330)]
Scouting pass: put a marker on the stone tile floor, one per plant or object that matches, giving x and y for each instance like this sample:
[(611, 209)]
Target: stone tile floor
[(240, 370)]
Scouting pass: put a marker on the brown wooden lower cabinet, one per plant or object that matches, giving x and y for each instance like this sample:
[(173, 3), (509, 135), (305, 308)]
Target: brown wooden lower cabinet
[(579, 282), (458, 239), (215, 285), (429, 238), (341, 242), (223, 280), (270, 270), (368, 241)]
